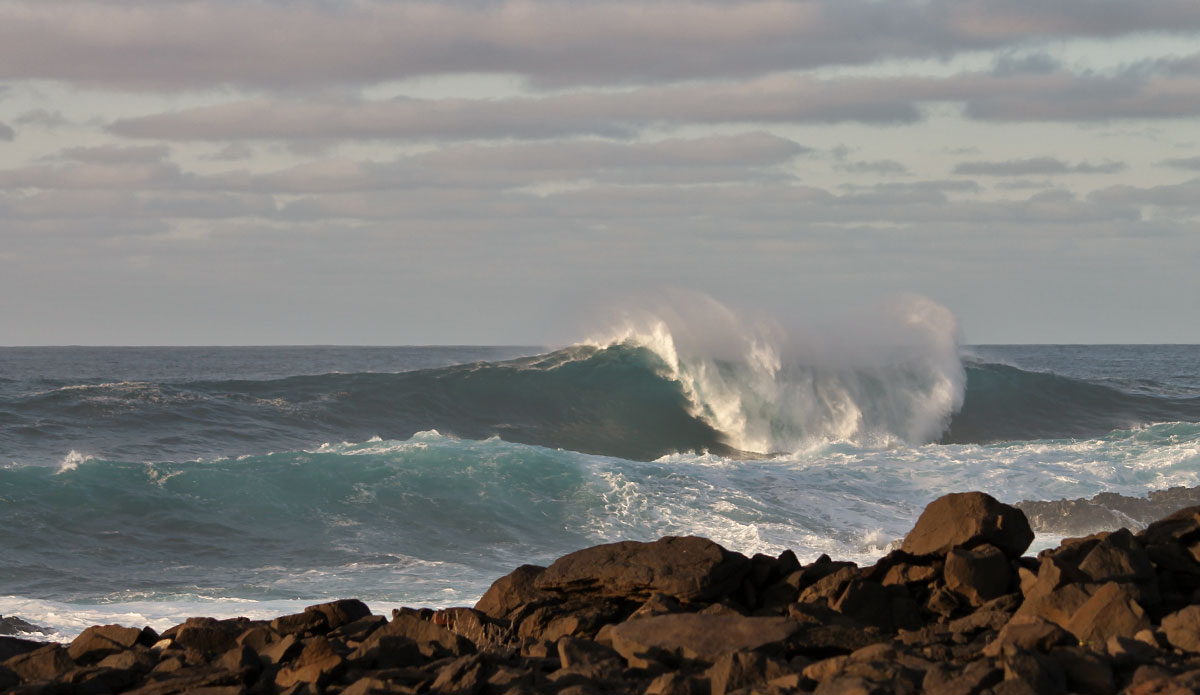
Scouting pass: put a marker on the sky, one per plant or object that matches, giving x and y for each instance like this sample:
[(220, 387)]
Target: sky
[(497, 172)]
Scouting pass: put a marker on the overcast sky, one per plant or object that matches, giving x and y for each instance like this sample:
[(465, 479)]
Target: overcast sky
[(394, 172)]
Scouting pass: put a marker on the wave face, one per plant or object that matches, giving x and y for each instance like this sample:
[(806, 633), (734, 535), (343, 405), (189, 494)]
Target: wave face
[(1007, 403)]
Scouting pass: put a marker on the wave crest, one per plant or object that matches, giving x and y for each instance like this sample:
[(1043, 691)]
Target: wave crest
[(891, 375)]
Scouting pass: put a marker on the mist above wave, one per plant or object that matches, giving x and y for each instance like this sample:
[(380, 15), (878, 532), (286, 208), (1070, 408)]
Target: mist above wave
[(883, 376)]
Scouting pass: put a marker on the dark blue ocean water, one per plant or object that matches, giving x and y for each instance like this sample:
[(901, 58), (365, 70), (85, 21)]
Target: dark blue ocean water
[(143, 485)]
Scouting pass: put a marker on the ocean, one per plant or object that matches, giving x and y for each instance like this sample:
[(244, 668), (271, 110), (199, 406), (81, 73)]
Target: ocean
[(145, 485)]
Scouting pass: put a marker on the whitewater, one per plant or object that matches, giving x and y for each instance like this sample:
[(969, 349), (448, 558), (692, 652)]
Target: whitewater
[(145, 485)]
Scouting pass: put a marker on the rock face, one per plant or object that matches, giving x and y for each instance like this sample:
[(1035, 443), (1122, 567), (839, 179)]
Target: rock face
[(966, 520), (955, 611), (686, 568)]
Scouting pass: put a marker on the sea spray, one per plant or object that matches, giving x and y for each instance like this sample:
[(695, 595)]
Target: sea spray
[(889, 375)]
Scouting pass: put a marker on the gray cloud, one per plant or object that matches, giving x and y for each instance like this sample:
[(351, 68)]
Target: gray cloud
[(880, 167), (1189, 163), (42, 118), (1035, 166), (779, 98), (116, 154), (312, 43), (7, 133), (1185, 195)]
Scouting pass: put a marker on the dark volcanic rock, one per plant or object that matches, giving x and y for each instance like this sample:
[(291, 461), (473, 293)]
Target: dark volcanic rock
[(512, 591), (696, 636), (966, 520), (99, 641), (1106, 511), (13, 625), (687, 568), (979, 574)]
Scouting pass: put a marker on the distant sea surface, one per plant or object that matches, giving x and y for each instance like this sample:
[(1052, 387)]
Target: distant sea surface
[(145, 485)]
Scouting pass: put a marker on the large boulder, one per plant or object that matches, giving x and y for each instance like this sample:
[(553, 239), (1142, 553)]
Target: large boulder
[(687, 568), (696, 635), (966, 520)]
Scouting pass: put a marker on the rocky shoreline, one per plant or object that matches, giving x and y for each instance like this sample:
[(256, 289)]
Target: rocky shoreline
[(957, 609)]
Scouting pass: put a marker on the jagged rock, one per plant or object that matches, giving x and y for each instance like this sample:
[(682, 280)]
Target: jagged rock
[(695, 636), (1057, 606), (463, 676), (819, 641), (965, 520), (282, 650), (136, 659), (206, 635), (195, 680), (317, 664), (12, 625), (388, 651), (46, 662), (99, 641), (358, 630), (472, 624), (1038, 671), (974, 678), (1111, 611), (341, 612), (688, 568), (583, 652), (241, 660), (14, 646), (675, 683), (1028, 633), (741, 669), (866, 602), (826, 589), (310, 622), (1088, 673), (434, 640), (1117, 558), (512, 591), (978, 574), (1182, 629)]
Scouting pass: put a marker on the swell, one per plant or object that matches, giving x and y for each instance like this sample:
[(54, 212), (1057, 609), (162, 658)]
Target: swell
[(621, 400), (593, 400), (1005, 403)]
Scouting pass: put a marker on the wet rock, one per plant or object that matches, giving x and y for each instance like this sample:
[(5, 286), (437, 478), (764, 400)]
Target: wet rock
[(695, 636), (966, 520), (687, 568), (12, 625)]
